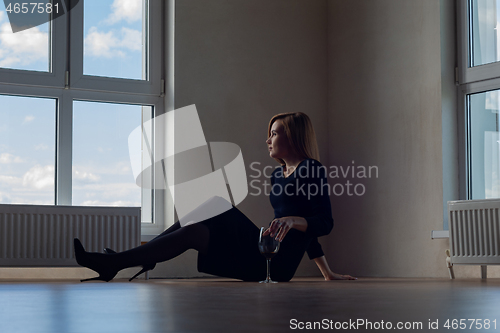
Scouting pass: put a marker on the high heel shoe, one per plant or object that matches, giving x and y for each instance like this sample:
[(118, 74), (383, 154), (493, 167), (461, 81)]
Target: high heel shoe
[(145, 268), (95, 262)]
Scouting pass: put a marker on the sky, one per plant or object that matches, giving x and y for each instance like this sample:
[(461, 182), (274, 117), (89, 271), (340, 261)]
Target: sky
[(102, 173)]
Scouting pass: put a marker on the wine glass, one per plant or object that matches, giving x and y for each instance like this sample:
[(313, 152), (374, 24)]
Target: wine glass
[(268, 246)]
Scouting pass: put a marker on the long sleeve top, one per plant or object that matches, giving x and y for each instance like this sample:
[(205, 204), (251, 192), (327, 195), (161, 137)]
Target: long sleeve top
[(304, 193)]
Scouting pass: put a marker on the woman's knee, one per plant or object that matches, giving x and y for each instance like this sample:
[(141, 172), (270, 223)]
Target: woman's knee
[(198, 236)]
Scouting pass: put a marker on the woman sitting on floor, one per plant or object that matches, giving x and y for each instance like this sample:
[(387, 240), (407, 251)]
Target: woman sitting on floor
[(227, 243)]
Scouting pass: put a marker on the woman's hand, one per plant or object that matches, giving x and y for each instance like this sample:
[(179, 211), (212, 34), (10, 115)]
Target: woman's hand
[(280, 227), (334, 276), (327, 272)]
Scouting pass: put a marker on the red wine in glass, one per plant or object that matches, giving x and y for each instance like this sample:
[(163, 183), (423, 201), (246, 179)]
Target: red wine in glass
[(268, 247)]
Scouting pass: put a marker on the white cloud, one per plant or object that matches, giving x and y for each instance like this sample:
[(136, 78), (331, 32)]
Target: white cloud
[(79, 174), (109, 45), (12, 191), (123, 168), (128, 10), (28, 119), (2, 13), (10, 180), (40, 177), (7, 158), (5, 198), (36, 200), (22, 48), (95, 174), (118, 168), (131, 39), (35, 187), (109, 190), (100, 44), (110, 194), (30, 198), (105, 185), (118, 203)]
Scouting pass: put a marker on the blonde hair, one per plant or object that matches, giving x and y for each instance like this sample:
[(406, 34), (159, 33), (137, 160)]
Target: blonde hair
[(300, 133)]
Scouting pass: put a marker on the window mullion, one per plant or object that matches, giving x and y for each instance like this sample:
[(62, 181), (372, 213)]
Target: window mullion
[(64, 149)]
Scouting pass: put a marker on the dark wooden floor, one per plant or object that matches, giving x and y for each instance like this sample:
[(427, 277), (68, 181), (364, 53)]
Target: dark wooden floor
[(207, 305)]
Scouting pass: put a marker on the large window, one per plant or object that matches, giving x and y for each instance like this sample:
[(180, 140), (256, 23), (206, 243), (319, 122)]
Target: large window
[(71, 91), (484, 145), (102, 174), (483, 20), (27, 150), (115, 39), (28, 49), (479, 81)]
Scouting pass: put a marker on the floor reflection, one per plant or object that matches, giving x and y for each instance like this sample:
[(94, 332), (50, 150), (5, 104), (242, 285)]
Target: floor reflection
[(222, 305)]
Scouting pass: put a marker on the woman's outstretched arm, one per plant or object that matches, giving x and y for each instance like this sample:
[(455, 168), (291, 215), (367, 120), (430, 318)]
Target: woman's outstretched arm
[(327, 272)]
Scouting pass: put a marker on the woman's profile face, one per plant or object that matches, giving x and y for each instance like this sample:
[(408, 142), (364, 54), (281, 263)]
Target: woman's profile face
[(277, 143)]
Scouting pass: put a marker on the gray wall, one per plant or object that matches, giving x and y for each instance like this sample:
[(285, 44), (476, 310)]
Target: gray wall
[(385, 110), (392, 104)]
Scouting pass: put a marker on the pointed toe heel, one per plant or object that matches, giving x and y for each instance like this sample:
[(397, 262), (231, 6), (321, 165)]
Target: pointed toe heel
[(94, 261)]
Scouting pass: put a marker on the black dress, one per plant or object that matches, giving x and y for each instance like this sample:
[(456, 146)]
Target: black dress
[(233, 251)]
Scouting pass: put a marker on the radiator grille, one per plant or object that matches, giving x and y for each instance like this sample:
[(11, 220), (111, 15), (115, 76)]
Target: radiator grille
[(474, 231), (43, 235)]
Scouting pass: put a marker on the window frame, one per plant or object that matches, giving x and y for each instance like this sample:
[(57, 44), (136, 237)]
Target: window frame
[(470, 80), (468, 74), (54, 84), (36, 92), (150, 86), (57, 61)]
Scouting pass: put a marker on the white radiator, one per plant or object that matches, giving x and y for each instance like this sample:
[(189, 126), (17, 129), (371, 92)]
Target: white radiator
[(474, 233), (42, 236)]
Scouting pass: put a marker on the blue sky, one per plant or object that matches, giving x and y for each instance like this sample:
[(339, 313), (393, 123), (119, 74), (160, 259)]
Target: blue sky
[(113, 38), (27, 49), (101, 168)]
